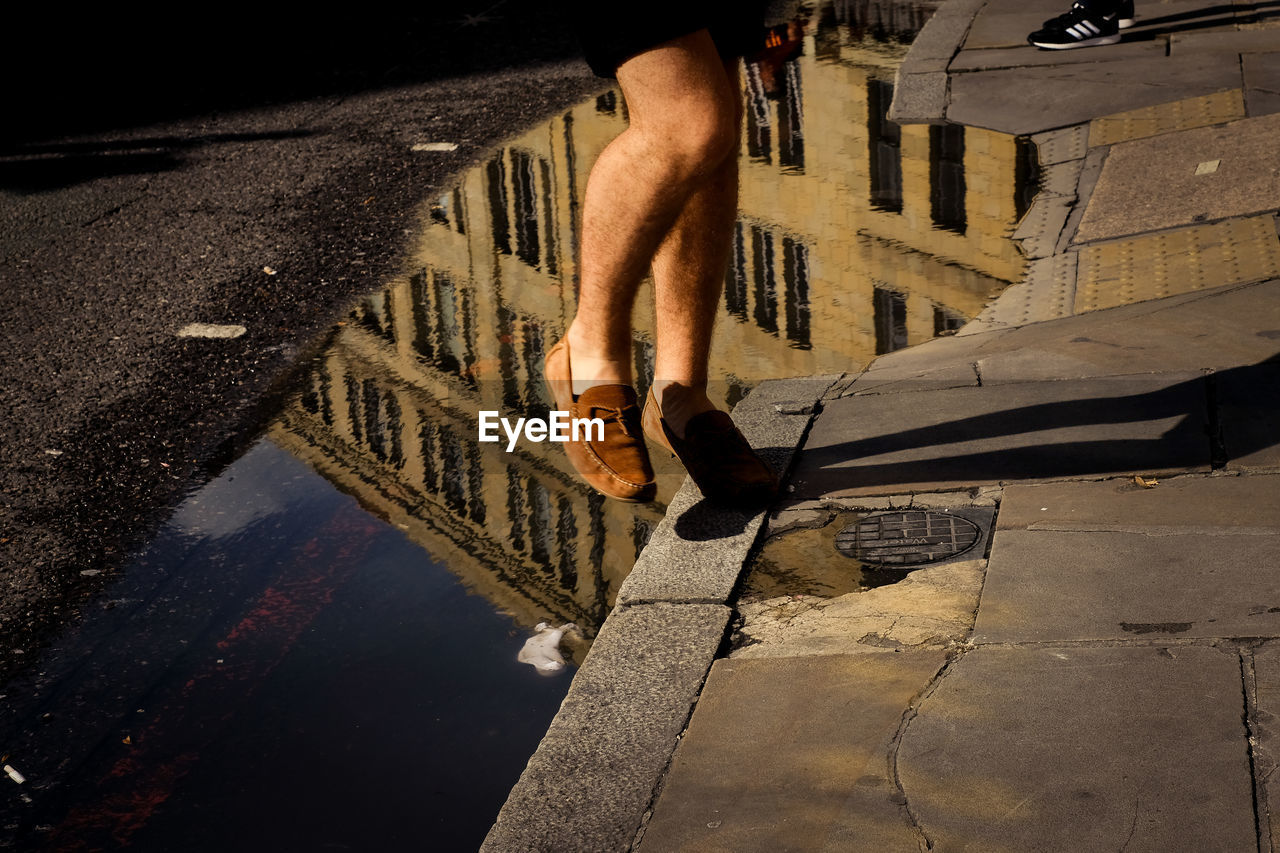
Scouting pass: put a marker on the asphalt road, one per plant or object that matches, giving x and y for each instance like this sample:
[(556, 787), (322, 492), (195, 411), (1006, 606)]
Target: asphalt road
[(146, 182)]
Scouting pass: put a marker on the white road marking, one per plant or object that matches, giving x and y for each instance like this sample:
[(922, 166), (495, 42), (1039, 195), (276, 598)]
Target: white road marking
[(210, 330)]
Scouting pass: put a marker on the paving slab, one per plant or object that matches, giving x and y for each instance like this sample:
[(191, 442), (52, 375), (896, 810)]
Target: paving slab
[(1184, 504), (589, 783), (1245, 181), (1006, 23), (1226, 41), (1249, 407), (1222, 329), (949, 376), (1050, 586), (1072, 749), (958, 438), (791, 754), (1261, 82), (1024, 55), (1266, 667), (1031, 100)]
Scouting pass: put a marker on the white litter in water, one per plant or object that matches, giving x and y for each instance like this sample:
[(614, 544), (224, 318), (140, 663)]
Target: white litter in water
[(434, 146), (542, 650), (1208, 167), (210, 330), (14, 774)]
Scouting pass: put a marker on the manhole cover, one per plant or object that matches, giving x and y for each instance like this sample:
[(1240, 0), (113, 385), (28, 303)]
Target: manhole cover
[(907, 538)]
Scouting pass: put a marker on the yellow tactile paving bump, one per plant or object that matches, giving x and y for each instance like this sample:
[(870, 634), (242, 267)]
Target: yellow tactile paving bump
[(1166, 118), (1179, 260)]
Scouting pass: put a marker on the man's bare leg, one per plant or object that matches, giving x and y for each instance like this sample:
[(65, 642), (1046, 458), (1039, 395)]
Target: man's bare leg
[(683, 129), (688, 273)]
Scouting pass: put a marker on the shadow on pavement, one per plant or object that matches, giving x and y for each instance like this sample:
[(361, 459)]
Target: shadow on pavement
[(1223, 416)]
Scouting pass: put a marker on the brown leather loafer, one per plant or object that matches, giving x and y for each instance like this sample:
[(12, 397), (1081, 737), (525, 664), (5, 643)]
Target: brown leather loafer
[(716, 455), (617, 465)]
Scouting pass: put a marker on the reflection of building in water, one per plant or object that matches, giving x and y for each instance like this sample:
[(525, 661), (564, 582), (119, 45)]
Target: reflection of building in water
[(855, 237)]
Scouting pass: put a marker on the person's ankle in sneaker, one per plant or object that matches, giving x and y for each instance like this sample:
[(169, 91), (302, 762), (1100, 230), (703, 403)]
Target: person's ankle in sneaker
[(1081, 27), (1123, 10)]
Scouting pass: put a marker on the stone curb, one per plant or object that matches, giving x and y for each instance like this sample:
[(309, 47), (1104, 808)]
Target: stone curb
[(592, 780), (920, 87)]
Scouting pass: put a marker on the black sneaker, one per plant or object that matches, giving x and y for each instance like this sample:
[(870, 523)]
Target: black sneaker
[(1124, 18), (1078, 28)]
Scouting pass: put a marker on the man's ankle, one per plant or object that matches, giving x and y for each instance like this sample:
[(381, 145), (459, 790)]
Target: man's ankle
[(680, 402), (590, 368)]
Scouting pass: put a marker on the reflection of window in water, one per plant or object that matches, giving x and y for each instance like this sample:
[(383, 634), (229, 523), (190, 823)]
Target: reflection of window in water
[(759, 135), (375, 420), (766, 309), (534, 352), (526, 208), (946, 321), (761, 267), (475, 484), (443, 323), (447, 210), (428, 444), (791, 119), (516, 514), (521, 350), (519, 190), (317, 395), (880, 20), (1026, 175), (885, 148), (567, 542), (946, 176), (595, 511), (374, 313), (795, 274), (890, 320), (540, 528), (735, 285), (353, 409), (788, 98), (496, 181)]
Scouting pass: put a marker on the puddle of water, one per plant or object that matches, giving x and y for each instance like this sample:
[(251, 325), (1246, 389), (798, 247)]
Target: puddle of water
[(320, 649), (279, 666), (810, 561)]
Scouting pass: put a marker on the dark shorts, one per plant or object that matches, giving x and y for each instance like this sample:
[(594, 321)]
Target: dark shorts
[(613, 32)]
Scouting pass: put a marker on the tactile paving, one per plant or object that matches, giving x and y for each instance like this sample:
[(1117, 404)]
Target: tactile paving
[(1185, 114), (1047, 293), (1059, 146), (1180, 260)]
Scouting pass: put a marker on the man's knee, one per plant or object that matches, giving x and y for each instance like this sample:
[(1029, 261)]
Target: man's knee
[(703, 141)]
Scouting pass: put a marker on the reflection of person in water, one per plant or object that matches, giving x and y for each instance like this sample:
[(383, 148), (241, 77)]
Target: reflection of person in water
[(1088, 23), (662, 196)]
